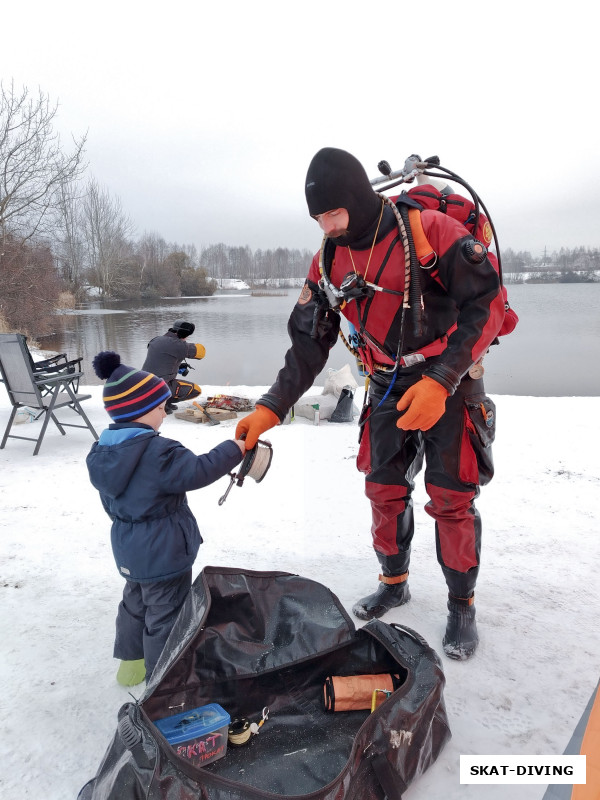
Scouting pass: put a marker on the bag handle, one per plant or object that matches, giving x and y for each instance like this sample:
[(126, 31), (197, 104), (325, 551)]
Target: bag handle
[(391, 783), (131, 738)]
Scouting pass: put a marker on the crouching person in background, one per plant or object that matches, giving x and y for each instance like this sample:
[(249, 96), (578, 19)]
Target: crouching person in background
[(143, 479), (165, 356)]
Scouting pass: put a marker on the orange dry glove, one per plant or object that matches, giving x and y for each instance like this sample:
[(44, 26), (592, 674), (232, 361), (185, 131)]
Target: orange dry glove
[(425, 402), (200, 351), (259, 421)]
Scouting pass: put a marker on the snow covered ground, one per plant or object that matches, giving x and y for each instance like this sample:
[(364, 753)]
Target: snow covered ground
[(537, 599)]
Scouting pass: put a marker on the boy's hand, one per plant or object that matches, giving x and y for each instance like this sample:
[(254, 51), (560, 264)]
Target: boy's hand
[(256, 423), (241, 444)]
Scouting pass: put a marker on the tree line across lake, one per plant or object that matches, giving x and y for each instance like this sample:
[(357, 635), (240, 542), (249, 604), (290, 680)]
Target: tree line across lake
[(576, 265), (61, 234)]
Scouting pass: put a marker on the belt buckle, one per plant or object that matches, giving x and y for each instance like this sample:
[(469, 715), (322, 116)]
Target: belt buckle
[(413, 358)]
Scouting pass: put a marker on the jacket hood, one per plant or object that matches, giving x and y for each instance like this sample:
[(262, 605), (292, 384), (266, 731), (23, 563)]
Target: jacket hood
[(115, 456)]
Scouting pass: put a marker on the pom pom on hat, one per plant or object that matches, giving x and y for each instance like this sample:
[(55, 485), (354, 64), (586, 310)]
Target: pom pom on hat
[(106, 363), (128, 393)]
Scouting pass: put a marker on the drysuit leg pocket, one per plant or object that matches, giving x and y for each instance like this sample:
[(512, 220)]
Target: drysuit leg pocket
[(479, 431)]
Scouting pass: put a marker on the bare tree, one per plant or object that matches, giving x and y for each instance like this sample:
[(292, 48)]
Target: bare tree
[(33, 165), (69, 249), (30, 286), (152, 251), (215, 260), (240, 262), (106, 229), (177, 261), (192, 253)]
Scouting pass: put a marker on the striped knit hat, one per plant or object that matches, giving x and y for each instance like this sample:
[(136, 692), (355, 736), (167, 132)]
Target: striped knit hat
[(129, 393)]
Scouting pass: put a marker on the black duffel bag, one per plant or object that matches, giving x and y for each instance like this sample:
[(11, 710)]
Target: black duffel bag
[(251, 641)]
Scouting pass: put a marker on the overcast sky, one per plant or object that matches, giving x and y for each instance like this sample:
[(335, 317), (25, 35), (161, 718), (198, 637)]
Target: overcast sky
[(202, 117)]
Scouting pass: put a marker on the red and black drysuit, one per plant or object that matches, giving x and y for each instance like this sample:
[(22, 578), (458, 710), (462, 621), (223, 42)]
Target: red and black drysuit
[(457, 295)]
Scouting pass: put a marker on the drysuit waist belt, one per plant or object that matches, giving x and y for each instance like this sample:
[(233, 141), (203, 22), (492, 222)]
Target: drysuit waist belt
[(418, 356)]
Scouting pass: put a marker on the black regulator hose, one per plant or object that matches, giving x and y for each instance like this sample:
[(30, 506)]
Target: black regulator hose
[(414, 290), (477, 201)]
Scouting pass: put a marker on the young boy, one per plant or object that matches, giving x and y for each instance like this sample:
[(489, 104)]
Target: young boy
[(143, 479)]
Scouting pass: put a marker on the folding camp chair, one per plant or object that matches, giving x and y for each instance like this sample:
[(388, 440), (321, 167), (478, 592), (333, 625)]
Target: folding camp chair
[(51, 366), (55, 364), (43, 392)]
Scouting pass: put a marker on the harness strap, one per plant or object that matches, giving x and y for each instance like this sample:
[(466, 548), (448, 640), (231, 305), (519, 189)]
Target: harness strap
[(429, 350), (427, 258), (436, 347), (425, 253)]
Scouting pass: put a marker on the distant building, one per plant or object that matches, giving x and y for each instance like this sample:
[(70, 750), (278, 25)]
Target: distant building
[(232, 283)]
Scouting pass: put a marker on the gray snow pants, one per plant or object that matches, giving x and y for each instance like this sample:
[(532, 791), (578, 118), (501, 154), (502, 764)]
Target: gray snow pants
[(145, 617)]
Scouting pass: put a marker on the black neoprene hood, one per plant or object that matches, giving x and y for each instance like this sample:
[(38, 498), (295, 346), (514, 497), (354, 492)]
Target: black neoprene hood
[(336, 179)]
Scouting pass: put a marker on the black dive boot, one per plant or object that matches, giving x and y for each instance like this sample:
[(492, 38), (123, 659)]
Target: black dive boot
[(461, 639), (388, 595)]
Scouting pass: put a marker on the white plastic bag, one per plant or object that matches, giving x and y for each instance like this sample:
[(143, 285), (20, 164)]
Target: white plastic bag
[(23, 415), (337, 379), (326, 403)]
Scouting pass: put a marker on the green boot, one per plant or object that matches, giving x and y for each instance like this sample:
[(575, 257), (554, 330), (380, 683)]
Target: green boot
[(131, 672)]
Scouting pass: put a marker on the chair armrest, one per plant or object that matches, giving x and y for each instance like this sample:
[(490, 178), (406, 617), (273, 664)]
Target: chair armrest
[(49, 362), (46, 367), (59, 377)]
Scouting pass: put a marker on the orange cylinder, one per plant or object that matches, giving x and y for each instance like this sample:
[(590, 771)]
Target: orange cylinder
[(355, 692)]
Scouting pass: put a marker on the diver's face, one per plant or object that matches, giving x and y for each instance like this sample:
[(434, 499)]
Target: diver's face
[(334, 223)]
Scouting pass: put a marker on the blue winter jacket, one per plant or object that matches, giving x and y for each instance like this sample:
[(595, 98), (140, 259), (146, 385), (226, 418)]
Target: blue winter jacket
[(142, 479)]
